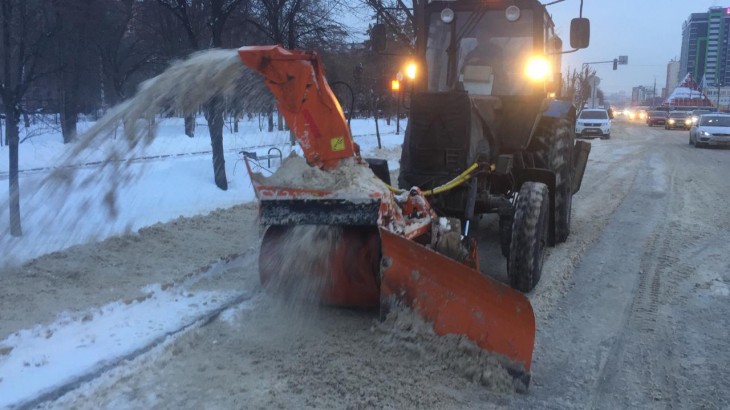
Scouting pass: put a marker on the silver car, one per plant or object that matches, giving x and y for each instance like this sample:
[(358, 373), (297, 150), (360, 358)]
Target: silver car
[(711, 130)]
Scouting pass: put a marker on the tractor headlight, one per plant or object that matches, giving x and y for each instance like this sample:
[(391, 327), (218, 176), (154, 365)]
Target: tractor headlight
[(447, 15), (537, 69), (512, 13), (411, 70)]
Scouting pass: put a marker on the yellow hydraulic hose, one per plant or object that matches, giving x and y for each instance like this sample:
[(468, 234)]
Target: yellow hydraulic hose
[(460, 179)]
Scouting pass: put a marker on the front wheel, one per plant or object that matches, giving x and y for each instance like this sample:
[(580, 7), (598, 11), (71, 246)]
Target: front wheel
[(529, 236), (557, 143)]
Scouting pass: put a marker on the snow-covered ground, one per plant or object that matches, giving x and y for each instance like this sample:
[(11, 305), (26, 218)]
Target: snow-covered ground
[(171, 177), (171, 315)]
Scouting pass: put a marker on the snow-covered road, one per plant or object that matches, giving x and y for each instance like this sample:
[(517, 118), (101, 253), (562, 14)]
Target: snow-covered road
[(632, 311)]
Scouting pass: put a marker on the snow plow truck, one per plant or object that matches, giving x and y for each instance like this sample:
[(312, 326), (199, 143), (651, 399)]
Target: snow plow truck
[(483, 136)]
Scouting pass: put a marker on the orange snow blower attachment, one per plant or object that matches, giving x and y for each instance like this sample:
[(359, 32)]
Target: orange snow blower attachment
[(306, 101), (373, 242)]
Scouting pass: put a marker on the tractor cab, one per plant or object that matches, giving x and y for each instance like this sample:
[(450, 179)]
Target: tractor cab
[(502, 56), (490, 51)]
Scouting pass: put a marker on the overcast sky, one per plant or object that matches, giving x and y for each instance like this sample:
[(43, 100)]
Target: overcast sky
[(649, 32)]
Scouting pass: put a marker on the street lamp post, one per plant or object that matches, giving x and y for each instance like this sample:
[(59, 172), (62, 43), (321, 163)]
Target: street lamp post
[(395, 85), (621, 60)]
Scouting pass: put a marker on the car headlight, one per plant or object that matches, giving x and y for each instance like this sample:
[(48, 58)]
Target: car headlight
[(537, 69), (688, 121), (705, 134), (671, 121)]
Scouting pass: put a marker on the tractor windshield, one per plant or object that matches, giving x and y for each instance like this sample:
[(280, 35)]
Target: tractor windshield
[(487, 58)]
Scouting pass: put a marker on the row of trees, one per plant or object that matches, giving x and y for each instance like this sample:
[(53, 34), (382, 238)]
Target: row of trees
[(576, 86), (72, 57)]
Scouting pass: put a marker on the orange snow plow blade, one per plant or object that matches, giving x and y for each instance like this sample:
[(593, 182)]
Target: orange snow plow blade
[(458, 300)]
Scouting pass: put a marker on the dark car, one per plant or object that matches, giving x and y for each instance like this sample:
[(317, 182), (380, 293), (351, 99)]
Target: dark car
[(656, 118), (695, 114), (678, 120)]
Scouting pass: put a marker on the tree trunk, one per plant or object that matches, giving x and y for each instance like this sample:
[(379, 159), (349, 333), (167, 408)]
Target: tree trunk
[(279, 121), (271, 121), (214, 115), (377, 128), (69, 118), (12, 134), (190, 125)]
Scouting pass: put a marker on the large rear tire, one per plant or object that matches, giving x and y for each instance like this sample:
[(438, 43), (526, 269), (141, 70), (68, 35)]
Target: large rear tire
[(529, 236), (556, 147)]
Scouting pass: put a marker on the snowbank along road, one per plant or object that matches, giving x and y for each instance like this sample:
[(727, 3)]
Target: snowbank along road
[(632, 311)]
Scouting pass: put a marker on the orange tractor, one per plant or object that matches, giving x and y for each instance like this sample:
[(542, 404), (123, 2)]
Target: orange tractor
[(475, 144)]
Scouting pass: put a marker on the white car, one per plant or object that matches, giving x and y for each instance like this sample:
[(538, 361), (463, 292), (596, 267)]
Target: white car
[(593, 123), (711, 129)]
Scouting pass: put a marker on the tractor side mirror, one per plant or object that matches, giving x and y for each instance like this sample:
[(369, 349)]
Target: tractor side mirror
[(580, 32), (378, 37)]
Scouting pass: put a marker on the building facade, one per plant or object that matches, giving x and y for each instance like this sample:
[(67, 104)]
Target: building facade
[(705, 52), (694, 45), (672, 77)]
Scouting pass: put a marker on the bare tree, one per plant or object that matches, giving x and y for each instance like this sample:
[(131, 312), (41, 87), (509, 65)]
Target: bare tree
[(190, 15), (399, 17), (216, 14), (584, 85), (219, 13), (576, 85), (125, 49), (78, 76), (571, 84), (297, 23), (26, 27)]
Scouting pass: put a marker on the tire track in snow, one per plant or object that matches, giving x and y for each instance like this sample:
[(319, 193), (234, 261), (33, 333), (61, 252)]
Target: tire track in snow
[(160, 340)]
